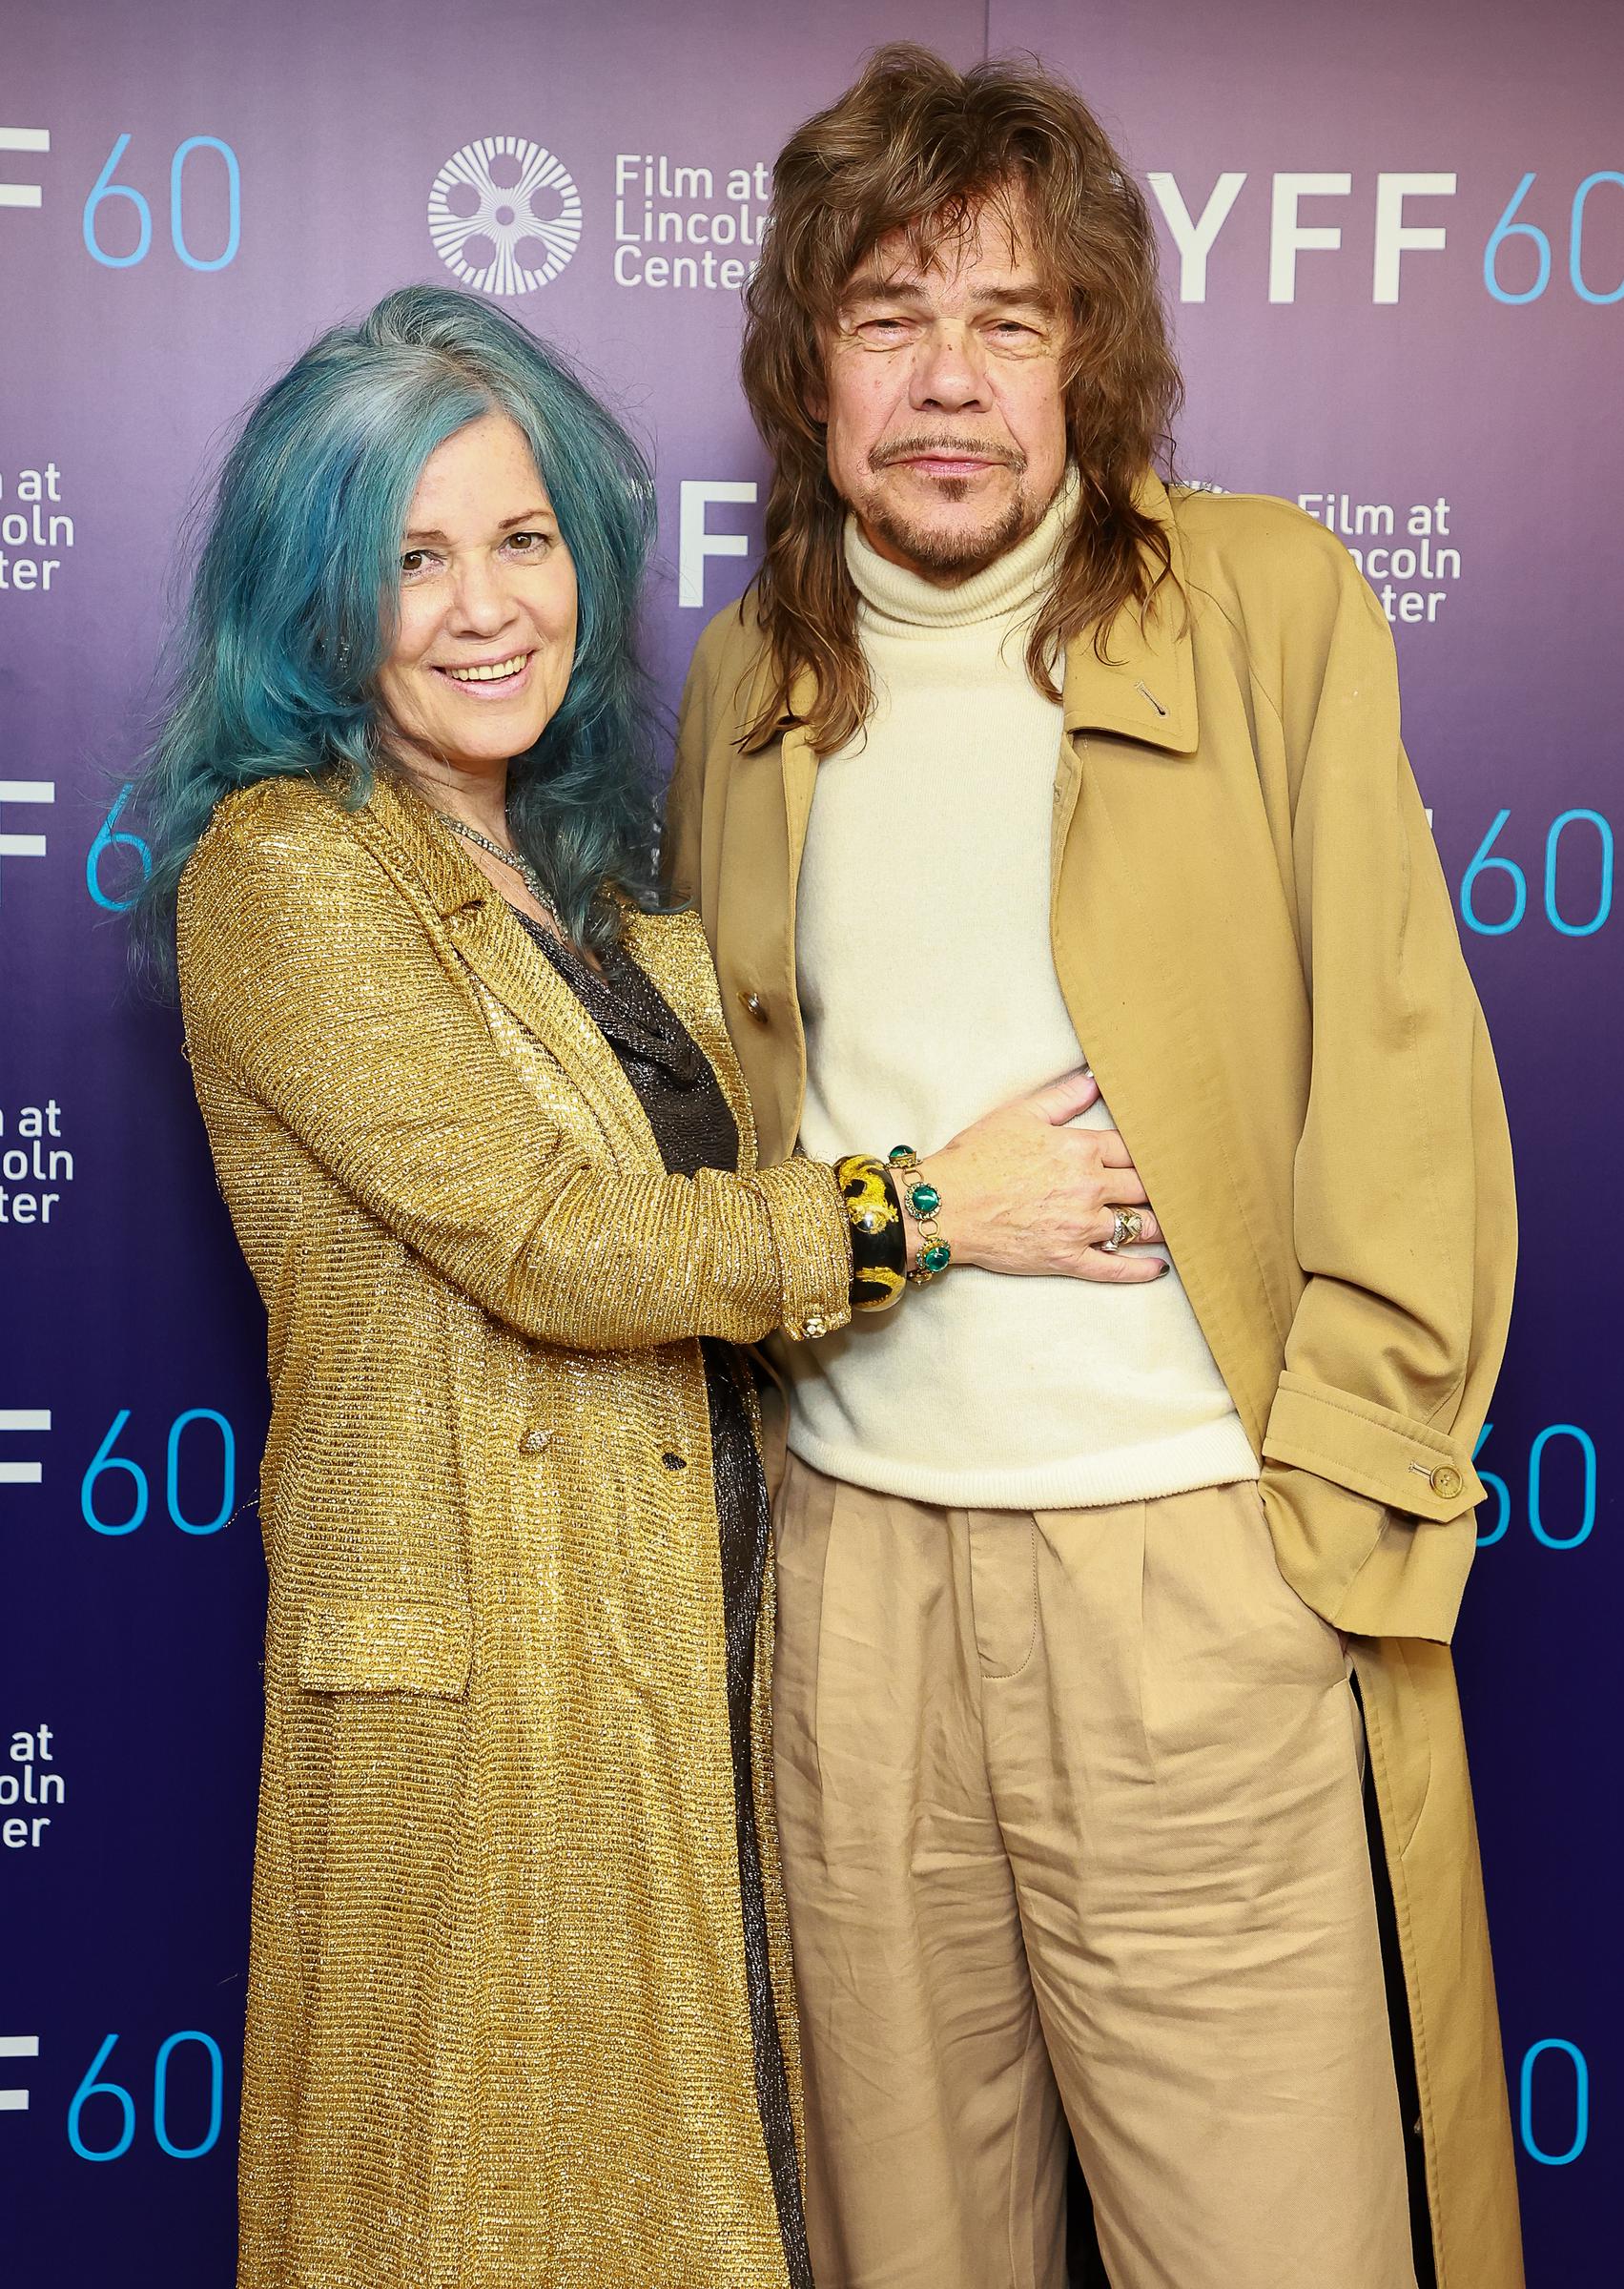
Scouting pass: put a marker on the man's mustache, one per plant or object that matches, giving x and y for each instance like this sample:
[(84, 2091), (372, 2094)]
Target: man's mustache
[(971, 448)]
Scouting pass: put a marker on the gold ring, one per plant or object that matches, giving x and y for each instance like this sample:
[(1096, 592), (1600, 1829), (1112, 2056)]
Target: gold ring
[(1126, 1226)]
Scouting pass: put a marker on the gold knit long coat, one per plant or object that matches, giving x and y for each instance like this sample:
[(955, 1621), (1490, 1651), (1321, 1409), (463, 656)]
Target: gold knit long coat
[(1257, 947), (499, 2033)]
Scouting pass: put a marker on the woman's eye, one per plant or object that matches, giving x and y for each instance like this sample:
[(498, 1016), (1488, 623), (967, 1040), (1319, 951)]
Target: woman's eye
[(527, 544), (412, 562)]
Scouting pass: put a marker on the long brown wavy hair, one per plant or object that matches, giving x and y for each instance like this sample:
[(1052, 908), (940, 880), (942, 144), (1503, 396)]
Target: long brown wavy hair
[(916, 147)]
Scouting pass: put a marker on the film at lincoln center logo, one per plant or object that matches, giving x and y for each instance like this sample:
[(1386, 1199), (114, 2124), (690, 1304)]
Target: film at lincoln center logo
[(505, 215)]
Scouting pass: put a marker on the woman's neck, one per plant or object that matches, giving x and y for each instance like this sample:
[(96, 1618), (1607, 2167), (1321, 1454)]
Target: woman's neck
[(475, 794)]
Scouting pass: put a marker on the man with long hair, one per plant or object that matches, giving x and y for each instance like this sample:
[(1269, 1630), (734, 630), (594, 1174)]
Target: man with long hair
[(1099, 1598)]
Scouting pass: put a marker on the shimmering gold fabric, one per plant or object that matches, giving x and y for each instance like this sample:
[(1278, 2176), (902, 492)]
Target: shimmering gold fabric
[(499, 2030)]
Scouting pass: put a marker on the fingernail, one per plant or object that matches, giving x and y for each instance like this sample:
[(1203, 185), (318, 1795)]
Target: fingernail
[(1166, 1268)]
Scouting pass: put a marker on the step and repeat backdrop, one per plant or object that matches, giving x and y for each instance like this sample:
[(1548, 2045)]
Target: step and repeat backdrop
[(1393, 240)]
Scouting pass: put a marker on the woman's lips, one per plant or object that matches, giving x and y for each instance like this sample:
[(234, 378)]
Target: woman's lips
[(490, 687)]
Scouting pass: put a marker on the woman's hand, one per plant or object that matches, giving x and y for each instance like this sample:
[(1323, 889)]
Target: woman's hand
[(1022, 1194)]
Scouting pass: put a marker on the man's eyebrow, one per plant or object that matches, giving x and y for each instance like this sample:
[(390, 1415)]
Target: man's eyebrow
[(872, 286), (1033, 296), (527, 516)]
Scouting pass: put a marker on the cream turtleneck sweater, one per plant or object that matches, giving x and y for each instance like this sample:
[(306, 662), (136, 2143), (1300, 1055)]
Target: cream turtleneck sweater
[(928, 991)]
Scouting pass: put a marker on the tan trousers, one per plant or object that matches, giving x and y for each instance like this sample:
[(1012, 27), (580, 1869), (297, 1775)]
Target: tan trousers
[(1072, 1830)]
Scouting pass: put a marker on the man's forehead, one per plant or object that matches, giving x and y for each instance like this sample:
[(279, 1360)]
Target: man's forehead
[(968, 283), (983, 246)]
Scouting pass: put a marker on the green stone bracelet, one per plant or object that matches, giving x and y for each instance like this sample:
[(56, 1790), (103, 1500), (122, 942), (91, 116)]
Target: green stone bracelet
[(923, 1201)]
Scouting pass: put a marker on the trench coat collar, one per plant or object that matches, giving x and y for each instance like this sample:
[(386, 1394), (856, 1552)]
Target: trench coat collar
[(1144, 690)]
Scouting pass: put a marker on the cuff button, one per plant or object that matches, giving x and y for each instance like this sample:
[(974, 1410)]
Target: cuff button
[(1447, 1482)]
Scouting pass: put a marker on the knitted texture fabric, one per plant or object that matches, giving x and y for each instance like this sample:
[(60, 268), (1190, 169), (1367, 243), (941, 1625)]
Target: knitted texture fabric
[(499, 2026), (925, 1006)]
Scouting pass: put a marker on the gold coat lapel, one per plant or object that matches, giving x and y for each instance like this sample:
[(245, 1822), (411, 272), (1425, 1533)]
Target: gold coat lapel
[(397, 826)]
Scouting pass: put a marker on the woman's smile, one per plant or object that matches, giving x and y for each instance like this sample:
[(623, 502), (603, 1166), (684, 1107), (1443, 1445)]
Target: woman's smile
[(486, 680)]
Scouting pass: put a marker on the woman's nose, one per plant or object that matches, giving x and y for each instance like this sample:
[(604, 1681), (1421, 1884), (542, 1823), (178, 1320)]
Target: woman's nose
[(481, 603)]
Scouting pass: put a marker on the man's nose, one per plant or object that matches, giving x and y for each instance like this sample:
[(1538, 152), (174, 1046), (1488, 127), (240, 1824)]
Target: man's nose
[(949, 370)]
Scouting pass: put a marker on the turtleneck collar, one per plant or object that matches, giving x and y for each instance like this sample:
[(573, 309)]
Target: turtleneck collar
[(1011, 586)]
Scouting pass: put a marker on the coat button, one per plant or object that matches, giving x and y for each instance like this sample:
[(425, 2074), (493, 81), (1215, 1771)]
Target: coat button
[(811, 1328), (675, 1462), (1447, 1482), (533, 1441), (754, 1006)]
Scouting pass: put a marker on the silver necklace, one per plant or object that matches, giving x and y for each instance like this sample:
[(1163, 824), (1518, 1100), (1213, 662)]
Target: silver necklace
[(522, 867)]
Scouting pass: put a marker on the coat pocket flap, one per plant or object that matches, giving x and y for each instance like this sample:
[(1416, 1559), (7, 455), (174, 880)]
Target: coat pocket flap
[(361, 1646)]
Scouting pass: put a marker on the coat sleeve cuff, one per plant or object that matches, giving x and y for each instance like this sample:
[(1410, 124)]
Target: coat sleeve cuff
[(1404, 1464), (814, 1238)]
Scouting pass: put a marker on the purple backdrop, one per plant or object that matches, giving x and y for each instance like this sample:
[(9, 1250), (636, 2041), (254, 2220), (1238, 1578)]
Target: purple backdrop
[(1395, 246)]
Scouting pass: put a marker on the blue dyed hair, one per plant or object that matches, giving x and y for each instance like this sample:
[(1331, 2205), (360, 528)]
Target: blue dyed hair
[(293, 602)]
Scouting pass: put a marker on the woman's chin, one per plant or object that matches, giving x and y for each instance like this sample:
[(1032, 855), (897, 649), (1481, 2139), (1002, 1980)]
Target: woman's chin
[(498, 743)]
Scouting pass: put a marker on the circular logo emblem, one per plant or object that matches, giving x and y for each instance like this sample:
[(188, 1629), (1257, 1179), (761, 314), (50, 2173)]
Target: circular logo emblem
[(505, 235)]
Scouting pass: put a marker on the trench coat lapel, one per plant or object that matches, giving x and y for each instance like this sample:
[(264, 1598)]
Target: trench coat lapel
[(1144, 686), (771, 806), (1132, 902), (797, 761)]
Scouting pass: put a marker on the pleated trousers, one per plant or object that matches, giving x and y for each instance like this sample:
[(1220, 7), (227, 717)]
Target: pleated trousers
[(1072, 1833)]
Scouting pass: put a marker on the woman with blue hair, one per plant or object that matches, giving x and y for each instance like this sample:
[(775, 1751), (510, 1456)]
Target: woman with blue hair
[(520, 2009)]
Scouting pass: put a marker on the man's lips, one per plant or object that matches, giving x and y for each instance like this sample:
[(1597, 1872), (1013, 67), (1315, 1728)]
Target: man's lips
[(947, 464)]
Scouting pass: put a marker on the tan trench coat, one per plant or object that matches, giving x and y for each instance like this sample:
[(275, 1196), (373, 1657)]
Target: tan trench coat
[(1257, 948), (499, 2033)]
